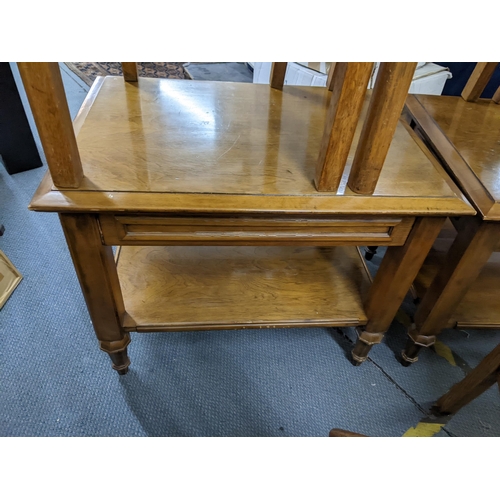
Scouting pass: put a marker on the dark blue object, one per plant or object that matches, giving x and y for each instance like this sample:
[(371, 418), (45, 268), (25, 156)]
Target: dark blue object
[(461, 72)]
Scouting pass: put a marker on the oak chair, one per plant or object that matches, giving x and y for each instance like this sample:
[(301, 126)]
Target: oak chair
[(459, 283), (239, 205)]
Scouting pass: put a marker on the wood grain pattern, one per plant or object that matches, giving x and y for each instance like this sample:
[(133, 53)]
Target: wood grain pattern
[(96, 271), (349, 84), (473, 385), (465, 136), (386, 105), (203, 288), (47, 199), (462, 265), (397, 271), (130, 73), (278, 72), (206, 230), (479, 307), (232, 133), (45, 91), (478, 80)]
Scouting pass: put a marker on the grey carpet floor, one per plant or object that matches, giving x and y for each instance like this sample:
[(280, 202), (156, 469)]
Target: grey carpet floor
[(54, 381)]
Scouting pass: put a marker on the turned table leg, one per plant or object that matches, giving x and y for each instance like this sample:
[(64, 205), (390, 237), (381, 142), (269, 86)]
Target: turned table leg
[(96, 270), (397, 271), (473, 246)]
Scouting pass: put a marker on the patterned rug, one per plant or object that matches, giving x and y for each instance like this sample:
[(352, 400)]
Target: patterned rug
[(89, 71)]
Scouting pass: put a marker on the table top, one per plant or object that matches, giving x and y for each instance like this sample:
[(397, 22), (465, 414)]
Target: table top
[(179, 145), (472, 129)]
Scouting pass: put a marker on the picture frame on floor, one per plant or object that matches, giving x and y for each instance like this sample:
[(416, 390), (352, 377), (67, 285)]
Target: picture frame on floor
[(10, 277)]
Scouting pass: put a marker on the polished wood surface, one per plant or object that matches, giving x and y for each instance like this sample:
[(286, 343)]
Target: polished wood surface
[(191, 164), (95, 267), (387, 102), (479, 308), (467, 137), (190, 288), (349, 83), (467, 255), (45, 91), (96, 270), (397, 271), (278, 72), (152, 170), (130, 73), (478, 80), (400, 265), (486, 374), (151, 230)]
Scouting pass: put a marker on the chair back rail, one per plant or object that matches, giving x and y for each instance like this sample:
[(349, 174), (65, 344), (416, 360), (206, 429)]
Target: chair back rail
[(478, 80)]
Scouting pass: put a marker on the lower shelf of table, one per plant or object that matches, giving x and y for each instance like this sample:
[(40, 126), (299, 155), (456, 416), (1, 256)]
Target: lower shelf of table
[(480, 308), (203, 288)]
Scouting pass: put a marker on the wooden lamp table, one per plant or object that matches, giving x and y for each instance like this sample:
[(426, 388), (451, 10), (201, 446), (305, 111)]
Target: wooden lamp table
[(459, 283), (208, 190)]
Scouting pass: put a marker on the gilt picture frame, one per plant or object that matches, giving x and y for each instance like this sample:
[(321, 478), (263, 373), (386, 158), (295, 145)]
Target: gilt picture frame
[(10, 277)]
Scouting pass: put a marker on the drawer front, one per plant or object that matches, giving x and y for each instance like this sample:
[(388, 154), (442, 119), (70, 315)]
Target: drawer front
[(179, 230)]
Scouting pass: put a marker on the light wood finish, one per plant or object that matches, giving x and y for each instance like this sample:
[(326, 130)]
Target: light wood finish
[(130, 73), (96, 271), (478, 80), (496, 96), (329, 80), (460, 280), (349, 83), (197, 165), (278, 72), (473, 385), (10, 277), (199, 288), (479, 308), (153, 171), (87, 104), (463, 263), (465, 136), (206, 230), (469, 252), (397, 271), (400, 264), (45, 91), (386, 105)]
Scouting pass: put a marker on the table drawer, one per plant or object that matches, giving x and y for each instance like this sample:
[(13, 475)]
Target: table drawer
[(258, 230)]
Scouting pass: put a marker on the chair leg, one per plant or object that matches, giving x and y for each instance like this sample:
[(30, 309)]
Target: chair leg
[(399, 268), (96, 270), (473, 246), (370, 252), (473, 385)]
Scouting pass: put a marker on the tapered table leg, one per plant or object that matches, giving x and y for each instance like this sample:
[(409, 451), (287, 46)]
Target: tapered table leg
[(96, 270), (397, 271), (473, 246)]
